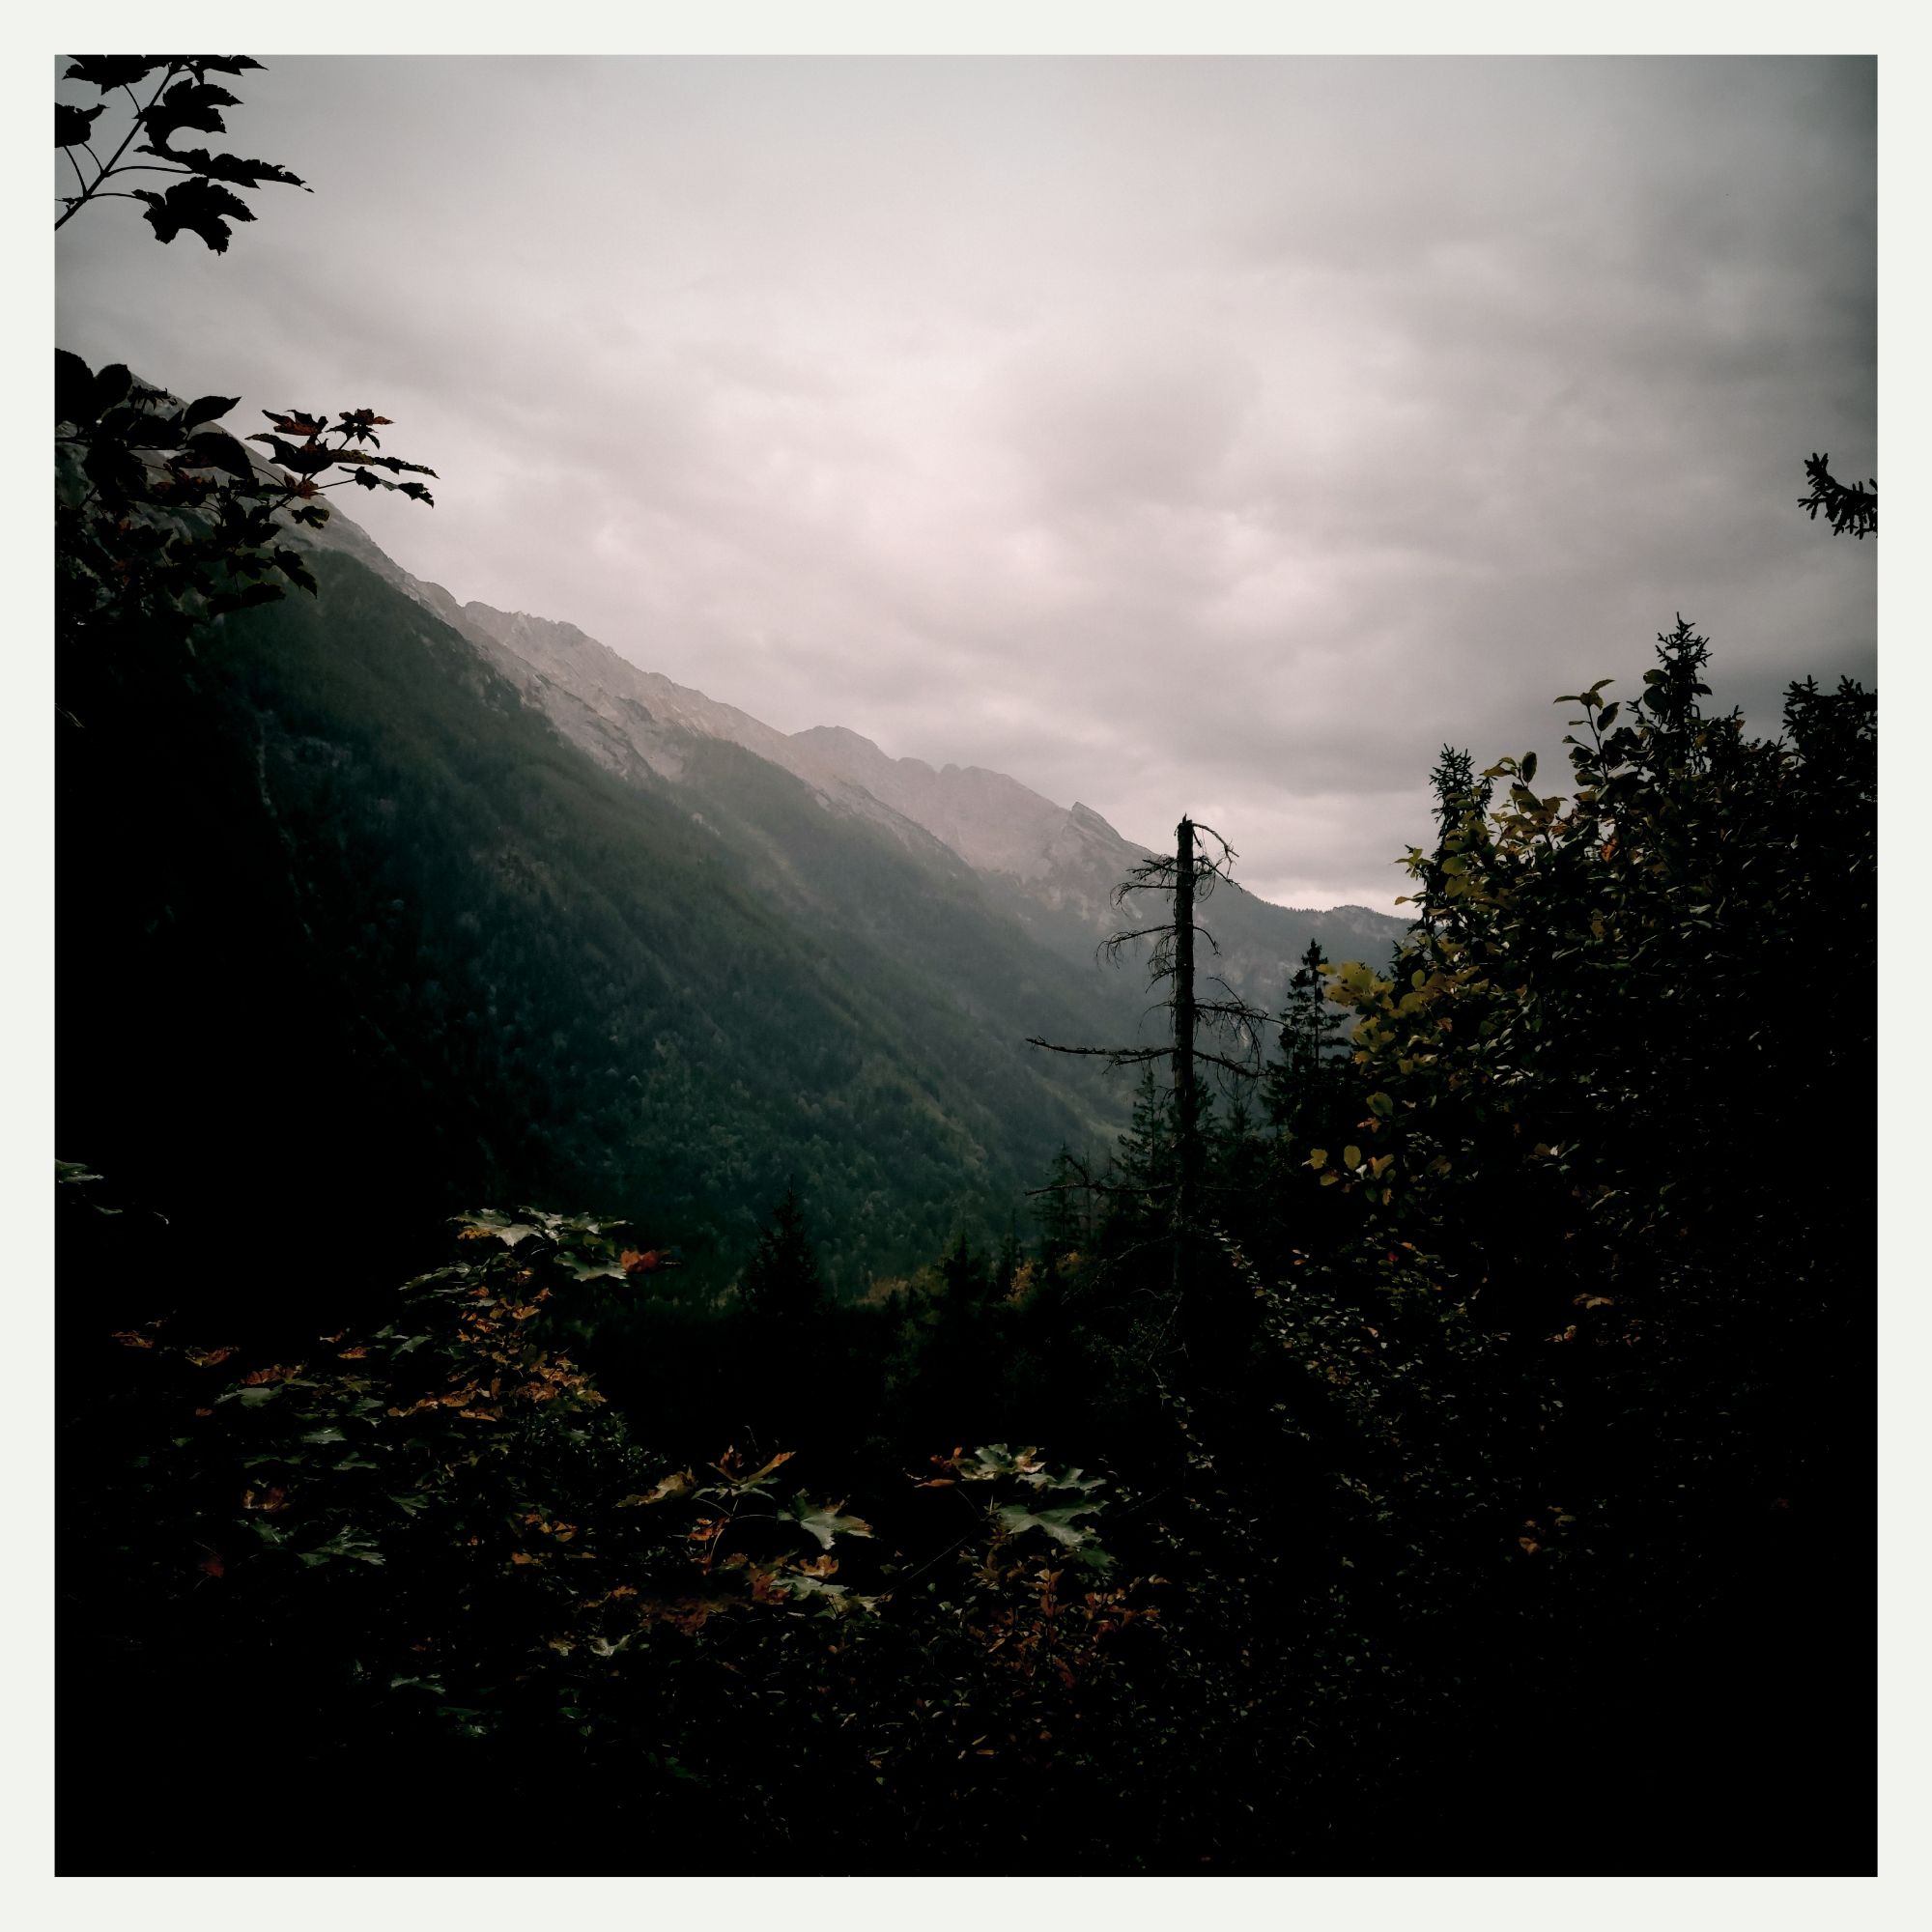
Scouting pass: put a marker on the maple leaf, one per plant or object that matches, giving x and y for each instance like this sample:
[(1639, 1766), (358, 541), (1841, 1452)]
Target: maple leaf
[(74, 124), (189, 104), (198, 206), (107, 72), (824, 1520), (227, 167)]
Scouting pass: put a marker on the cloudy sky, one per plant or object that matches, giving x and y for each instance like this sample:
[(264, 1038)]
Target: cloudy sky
[(1218, 435)]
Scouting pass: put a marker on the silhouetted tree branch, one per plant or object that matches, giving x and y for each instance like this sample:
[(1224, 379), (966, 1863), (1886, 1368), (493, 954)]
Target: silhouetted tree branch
[(1850, 508)]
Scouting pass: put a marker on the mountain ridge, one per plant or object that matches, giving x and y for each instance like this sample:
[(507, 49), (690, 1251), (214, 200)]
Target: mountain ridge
[(1054, 868)]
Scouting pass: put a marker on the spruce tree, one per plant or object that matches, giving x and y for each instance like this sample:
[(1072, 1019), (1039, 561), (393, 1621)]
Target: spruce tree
[(783, 1286), (1064, 1215), (1311, 1040)]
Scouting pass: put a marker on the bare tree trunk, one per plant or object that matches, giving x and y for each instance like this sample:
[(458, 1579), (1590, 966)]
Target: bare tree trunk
[(1187, 876), (1186, 1092)]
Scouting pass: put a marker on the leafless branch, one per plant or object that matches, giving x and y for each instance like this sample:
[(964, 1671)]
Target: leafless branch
[(1099, 1187), (1118, 1056)]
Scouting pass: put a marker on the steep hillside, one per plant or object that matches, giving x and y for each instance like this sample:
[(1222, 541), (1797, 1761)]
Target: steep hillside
[(366, 938), (1051, 869)]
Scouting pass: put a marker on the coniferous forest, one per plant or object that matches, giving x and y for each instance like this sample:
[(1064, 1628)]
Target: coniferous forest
[(576, 1357)]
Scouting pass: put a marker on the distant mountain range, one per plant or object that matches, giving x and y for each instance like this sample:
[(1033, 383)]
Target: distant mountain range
[(1053, 867), (398, 906)]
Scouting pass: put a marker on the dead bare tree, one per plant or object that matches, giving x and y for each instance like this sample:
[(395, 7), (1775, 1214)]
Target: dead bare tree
[(1186, 878)]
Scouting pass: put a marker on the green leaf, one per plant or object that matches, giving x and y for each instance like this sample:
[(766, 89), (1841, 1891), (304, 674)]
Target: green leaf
[(1058, 1522), (490, 1221), (824, 1522), (1380, 1105), (798, 1586), (995, 1458), (1351, 1156)]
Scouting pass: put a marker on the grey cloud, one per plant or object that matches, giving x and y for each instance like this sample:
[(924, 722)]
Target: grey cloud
[(1159, 431)]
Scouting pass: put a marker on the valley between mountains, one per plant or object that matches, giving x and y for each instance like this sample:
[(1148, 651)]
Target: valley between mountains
[(516, 918)]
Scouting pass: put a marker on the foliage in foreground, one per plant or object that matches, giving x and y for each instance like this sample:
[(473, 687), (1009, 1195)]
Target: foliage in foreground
[(437, 1538), (1516, 1411)]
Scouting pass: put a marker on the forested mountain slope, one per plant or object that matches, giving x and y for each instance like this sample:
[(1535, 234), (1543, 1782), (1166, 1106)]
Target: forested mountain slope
[(362, 926), (1051, 868)]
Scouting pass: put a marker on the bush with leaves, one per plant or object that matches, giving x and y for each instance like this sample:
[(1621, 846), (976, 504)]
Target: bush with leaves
[(436, 1541), (162, 516), (1589, 1097)]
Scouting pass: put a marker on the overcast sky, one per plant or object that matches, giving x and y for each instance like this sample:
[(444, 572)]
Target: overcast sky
[(1218, 435)]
